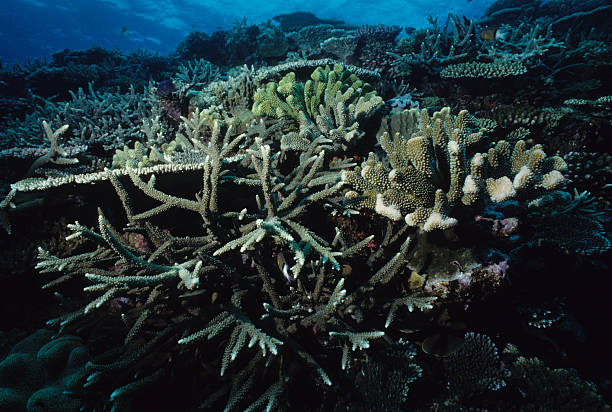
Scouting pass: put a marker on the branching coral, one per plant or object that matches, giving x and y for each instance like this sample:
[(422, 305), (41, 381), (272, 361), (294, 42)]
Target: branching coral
[(277, 217), (546, 118), (56, 154), (436, 45), (110, 119), (385, 383), (431, 170), (197, 73), (5, 205), (330, 104), (546, 388), (186, 271), (525, 44)]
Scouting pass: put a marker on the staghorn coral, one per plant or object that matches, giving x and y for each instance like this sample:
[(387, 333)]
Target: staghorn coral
[(186, 269), (176, 271), (197, 73), (110, 119), (524, 44), (56, 154), (276, 218), (5, 206), (436, 45), (461, 47)]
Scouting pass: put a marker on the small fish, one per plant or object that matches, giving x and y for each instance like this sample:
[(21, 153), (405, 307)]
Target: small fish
[(166, 89), (124, 30), (283, 266), (493, 33)]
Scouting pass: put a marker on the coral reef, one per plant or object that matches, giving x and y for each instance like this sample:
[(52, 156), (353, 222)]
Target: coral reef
[(302, 230)]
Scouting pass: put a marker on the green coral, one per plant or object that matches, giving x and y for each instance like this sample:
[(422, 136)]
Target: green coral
[(288, 97), (258, 264), (268, 102), (330, 104), (272, 212)]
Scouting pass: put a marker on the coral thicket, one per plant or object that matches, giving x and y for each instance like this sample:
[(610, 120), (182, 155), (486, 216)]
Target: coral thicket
[(312, 215)]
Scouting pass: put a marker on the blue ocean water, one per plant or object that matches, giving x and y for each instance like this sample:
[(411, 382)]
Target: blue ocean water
[(31, 29)]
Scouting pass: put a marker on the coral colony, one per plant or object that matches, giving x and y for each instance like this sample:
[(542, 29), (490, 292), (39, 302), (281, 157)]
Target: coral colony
[(311, 215)]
